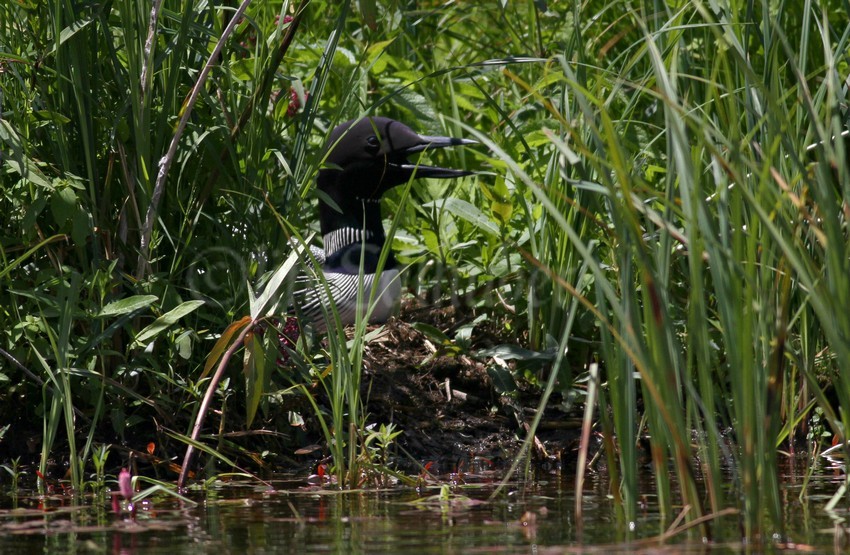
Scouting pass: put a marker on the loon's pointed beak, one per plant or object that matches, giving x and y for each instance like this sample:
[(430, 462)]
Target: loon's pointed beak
[(429, 143)]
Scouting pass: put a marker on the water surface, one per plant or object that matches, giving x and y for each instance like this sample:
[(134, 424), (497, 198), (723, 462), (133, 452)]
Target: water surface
[(291, 516)]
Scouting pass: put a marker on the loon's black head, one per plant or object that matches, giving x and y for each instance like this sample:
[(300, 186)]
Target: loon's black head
[(364, 159), (367, 157)]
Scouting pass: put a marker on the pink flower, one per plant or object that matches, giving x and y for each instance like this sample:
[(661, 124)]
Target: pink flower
[(125, 490), (125, 484), (287, 338), (294, 103)]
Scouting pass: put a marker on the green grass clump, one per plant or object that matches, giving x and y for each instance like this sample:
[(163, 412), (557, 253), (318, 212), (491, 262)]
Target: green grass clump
[(662, 190)]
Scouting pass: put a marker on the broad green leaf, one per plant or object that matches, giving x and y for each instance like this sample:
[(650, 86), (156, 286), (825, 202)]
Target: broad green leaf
[(50, 115), (165, 321), (431, 333), (501, 206), (503, 211), (514, 352), (503, 381), (123, 306), (14, 157), (63, 205), (295, 419), (430, 239), (184, 344), (466, 211), (80, 227), (244, 69), (375, 57)]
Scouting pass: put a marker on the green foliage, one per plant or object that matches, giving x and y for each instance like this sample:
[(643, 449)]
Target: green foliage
[(662, 189)]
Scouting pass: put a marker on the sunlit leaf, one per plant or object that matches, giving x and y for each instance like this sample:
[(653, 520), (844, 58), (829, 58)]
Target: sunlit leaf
[(375, 57), (223, 343), (466, 211), (431, 333), (129, 304), (52, 116), (72, 30), (274, 286), (515, 352), (296, 420), (165, 321)]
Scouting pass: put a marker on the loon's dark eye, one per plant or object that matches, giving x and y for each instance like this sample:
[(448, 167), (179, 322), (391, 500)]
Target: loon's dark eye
[(373, 143)]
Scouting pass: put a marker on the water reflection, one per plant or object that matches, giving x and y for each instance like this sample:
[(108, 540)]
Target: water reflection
[(292, 516)]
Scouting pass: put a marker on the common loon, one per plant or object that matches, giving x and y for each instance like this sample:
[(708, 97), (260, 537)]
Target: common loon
[(365, 158)]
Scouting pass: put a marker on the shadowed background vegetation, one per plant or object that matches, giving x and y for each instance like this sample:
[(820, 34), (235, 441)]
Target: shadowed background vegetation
[(661, 191)]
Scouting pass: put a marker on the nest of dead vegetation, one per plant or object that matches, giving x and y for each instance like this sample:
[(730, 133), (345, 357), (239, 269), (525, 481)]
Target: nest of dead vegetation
[(445, 401)]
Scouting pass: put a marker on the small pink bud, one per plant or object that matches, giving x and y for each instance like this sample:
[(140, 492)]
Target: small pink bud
[(125, 484)]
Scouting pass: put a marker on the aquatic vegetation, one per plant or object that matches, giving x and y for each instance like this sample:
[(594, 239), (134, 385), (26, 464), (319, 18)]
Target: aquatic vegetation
[(651, 259)]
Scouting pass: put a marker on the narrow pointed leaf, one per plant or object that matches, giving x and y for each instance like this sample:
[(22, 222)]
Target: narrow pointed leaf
[(273, 288), (255, 374), (165, 321), (124, 306), (223, 342)]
